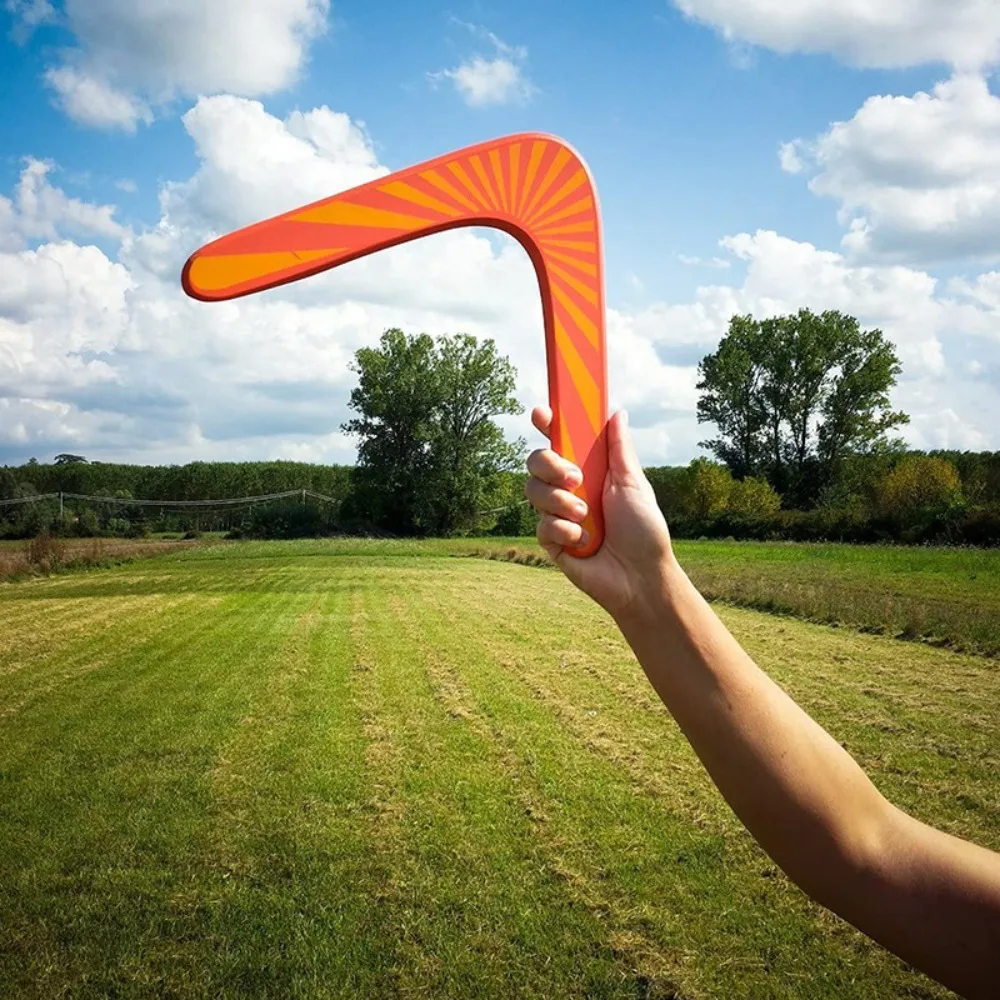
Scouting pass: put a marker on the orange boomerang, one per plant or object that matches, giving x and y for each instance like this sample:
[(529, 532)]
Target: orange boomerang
[(534, 187)]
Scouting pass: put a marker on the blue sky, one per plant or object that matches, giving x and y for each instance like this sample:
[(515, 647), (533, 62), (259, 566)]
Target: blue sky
[(747, 159)]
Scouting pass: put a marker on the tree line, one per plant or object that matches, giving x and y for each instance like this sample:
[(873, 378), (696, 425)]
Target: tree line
[(803, 450)]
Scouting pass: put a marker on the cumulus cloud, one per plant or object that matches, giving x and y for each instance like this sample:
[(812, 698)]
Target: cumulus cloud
[(884, 34), (129, 57), (40, 211), (917, 178), (103, 355), (496, 78)]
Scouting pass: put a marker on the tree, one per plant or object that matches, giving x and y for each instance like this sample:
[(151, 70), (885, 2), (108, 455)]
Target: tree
[(430, 455), (708, 487), (731, 397), (753, 498), (66, 459), (919, 488), (470, 451), (793, 396)]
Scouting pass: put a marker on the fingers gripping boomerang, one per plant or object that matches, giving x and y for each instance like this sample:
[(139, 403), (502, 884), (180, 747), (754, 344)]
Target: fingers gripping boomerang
[(534, 187)]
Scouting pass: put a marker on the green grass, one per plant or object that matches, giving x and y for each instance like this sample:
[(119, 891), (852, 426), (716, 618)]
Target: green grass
[(366, 769), (948, 597)]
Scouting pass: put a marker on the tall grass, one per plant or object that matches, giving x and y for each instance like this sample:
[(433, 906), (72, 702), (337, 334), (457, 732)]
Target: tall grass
[(46, 554)]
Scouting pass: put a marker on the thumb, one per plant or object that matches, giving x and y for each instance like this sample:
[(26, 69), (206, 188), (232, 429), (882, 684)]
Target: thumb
[(623, 462)]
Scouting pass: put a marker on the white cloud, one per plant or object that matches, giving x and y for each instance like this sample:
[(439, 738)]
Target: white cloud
[(91, 100), (498, 78), (102, 354), (790, 157), (869, 33), (917, 178), (130, 57), (30, 14), (718, 263), (40, 211)]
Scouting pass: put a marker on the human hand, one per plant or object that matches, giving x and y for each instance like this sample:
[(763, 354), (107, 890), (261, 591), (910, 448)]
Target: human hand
[(636, 552)]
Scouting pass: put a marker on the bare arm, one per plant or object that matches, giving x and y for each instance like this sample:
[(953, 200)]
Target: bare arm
[(931, 898)]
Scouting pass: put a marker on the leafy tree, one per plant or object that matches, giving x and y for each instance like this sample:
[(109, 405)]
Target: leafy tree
[(920, 487), (470, 451), (430, 455), (753, 498), (66, 459), (708, 488), (8, 483), (793, 396), (731, 383)]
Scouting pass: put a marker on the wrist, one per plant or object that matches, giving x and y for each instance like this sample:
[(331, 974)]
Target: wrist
[(655, 599)]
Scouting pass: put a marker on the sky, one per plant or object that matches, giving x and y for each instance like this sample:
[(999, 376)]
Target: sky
[(750, 157)]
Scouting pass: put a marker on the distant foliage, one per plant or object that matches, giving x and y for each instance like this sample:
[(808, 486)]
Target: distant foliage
[(707, 490), (752, 498), (792, 397), (921, 487)]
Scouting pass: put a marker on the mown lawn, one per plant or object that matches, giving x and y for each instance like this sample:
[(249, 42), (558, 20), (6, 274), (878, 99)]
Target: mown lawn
[(371, 770)]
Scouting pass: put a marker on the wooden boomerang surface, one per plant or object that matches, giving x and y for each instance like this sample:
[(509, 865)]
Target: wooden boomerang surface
[(534, 187)]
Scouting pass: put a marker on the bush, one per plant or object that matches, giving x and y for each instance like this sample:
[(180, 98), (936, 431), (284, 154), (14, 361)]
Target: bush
[(920, 489), (707, 489), (517, 521), (753, 498)]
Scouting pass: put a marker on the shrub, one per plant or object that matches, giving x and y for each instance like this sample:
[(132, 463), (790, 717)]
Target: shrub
[(517, 521), (753, 498), (919, 488), (707, 489)]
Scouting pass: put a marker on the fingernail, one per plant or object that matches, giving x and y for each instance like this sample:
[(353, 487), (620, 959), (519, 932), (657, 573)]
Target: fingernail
[(581, 507), (584, 540)]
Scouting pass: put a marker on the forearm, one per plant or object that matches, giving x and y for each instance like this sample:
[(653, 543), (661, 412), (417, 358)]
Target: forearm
[(794, 787), (932, 899)]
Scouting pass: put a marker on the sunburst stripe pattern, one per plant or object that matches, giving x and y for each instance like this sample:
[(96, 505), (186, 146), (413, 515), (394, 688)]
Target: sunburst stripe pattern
[(535, 187)]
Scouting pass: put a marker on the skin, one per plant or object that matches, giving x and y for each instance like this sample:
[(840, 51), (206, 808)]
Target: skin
[(932, 899)]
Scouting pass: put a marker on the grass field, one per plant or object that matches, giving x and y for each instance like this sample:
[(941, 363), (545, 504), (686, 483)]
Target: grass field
[(370, 770), (948, 597)]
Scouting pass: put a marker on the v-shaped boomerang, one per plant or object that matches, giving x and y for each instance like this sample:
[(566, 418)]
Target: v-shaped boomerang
[(534, 187)]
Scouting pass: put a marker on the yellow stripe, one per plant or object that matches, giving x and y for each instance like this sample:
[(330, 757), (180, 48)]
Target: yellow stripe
[(581, 265), (345, 213), (537, 151), (583, 381), (459, 171), (586, 325), (448, 188), (572, 227), (400, 189), (568, 450), (568, 188), (584, 204), (581, 288), (555, 168), (585, 246), (515, 169), (477, 165), (214, 273), (498, 177)]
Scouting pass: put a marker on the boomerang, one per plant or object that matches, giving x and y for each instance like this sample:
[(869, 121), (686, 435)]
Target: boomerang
[(534, 187)]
